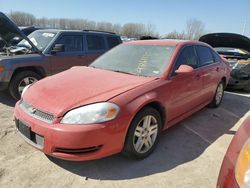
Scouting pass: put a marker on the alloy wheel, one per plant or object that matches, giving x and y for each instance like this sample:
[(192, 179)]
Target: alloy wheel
[(219, 93), (24, 82), (145, 134)]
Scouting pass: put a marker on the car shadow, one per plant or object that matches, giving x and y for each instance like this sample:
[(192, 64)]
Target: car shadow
[(170, 153), (178, 145), (6, 99)]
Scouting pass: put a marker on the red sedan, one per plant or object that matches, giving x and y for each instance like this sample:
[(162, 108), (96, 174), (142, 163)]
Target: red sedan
[(123, 101), (235, 169)]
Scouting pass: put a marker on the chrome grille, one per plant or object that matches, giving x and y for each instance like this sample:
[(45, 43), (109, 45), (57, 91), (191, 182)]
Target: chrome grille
[(36, 113)]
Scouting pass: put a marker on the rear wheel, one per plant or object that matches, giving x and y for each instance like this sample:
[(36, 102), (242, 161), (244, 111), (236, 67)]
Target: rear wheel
[(218, 95), (20, 80), (143, 134)]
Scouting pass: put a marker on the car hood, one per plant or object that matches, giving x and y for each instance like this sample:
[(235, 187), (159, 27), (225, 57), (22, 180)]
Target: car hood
[(9, 30), (79, 86), (231, 40)]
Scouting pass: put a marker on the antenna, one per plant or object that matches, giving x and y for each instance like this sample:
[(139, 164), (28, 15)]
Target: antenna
[(244, 27)]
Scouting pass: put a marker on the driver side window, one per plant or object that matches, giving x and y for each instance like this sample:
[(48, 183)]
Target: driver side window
[(187, 56)]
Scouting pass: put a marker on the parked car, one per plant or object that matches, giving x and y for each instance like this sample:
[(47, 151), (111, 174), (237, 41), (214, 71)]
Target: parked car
[(123, 101), (28, 29), (236, 49), (46, 52), (235, 169)]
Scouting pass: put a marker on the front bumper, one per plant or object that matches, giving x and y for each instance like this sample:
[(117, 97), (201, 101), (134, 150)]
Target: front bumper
[(226, 177), (74, 142)]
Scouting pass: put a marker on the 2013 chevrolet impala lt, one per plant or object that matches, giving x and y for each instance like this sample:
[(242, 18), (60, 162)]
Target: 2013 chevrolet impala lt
[(123, 101)]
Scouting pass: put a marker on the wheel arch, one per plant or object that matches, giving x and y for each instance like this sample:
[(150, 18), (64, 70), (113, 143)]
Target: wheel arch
[(224, 80), (37, 69), (159, 107), (148, 100)]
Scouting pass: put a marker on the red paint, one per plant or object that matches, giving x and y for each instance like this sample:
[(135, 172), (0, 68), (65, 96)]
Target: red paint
[(179, 95), (226, 177)]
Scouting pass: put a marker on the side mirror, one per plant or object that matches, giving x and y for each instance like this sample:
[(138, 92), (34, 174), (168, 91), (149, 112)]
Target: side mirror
[(184, 69), (58, 48)]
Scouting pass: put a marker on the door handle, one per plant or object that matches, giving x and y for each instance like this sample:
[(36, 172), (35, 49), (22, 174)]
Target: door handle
[(217, 69), (205, 75)]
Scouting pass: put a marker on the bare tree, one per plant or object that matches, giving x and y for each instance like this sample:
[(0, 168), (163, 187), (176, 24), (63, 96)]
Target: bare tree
[(175, 35), (104, 26), (194, 29), (22, 18), (150, 29), (117, 28), (132, 30)]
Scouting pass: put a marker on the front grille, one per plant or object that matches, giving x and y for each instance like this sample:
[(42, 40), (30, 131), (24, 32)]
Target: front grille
[(36, 113), (78, 151)]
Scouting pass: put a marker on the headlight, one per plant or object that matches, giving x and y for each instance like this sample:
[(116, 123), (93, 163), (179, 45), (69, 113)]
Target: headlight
[(242, 170), (25, 89), (94, 113)]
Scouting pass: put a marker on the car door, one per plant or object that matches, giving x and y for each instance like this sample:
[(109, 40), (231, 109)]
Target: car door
[(96, 46), (185, 89), (72, 55), (210, 68)]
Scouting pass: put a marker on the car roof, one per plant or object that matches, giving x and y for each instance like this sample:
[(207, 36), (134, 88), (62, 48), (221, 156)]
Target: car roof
[(77, 31), (166, 42)]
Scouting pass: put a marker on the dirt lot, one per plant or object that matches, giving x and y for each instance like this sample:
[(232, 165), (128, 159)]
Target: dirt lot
[(189, 154)]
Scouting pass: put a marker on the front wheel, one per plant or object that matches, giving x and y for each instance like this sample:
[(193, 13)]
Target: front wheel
[(218, 95), (143, 134), (20, 80)]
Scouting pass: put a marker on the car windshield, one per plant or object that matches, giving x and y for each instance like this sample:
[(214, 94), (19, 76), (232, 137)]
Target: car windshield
[(39, 38), (141, 60)]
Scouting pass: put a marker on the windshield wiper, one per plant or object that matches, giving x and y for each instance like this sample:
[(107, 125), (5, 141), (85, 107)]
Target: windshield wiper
[(124, 72)]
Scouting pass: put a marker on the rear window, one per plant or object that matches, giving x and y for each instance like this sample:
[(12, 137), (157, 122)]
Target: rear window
[(205, 55), (112, 41), (95, 42)]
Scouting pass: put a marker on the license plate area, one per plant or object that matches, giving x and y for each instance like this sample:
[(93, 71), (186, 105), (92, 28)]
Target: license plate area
[(24, 129), (34, 139)]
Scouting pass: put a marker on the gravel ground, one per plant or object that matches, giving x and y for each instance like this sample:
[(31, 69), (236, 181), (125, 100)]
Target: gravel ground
[(189, 155)]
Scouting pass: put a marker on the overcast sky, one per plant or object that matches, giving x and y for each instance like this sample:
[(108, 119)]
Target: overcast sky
[(166, 15)]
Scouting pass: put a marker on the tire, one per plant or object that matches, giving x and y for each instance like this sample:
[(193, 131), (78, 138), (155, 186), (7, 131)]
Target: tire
[(132, 148), (20, 80), (217, 96)]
